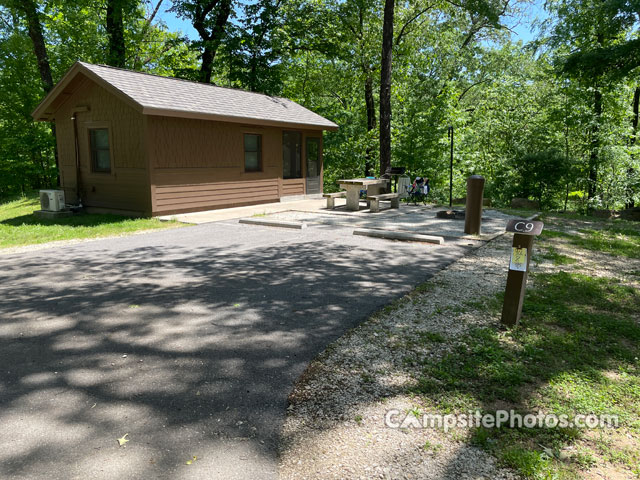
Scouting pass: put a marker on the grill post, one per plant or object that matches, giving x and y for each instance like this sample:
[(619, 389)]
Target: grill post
[(473, 213)]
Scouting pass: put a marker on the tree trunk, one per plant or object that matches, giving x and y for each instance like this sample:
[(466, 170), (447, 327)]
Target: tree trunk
[(39, 47), (595, 144), (385, 86), (137, 61), (371, 121), (115, 32), (40, 50), (634, 138), (211, 39), (634, 120), (206, 69)]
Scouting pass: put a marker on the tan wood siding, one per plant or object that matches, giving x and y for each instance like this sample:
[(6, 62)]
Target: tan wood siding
[(199, 165), (167, 197), (126, 188), (186, 143), (293, 186)]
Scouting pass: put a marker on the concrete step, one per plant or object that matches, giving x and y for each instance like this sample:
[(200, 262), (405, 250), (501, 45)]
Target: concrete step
[(404, 236), (266, 222)]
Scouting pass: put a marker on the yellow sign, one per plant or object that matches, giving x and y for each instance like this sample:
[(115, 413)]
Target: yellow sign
[(518, 259)]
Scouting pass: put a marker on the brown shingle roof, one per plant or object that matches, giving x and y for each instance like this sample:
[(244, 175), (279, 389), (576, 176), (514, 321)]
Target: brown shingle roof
[(176, 97)]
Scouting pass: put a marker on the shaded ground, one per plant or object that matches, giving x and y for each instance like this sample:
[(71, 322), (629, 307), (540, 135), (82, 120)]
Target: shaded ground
[(188, 340)]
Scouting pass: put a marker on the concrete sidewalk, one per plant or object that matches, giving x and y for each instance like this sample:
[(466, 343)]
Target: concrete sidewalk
[(208, 216), (419, 219)]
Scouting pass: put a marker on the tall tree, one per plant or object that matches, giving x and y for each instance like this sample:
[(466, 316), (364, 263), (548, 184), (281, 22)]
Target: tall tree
[(385, 86), (596, 32), (255, 48), (209, 18), (152, 47), (27, 152), (631, 172), (116, 54), (360, 21), (483, 14), (34, 26)]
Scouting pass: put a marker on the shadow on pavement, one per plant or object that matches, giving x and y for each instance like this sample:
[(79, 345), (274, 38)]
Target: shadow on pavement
[(191, 350)]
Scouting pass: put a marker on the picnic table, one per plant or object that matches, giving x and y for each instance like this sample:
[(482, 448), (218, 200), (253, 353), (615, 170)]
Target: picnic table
[(354, 185)]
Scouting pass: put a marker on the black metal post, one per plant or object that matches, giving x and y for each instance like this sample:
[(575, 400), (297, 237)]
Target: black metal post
[(450, 135)]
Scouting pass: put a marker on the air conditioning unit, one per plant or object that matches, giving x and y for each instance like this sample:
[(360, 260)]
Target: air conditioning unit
[(52, 200)]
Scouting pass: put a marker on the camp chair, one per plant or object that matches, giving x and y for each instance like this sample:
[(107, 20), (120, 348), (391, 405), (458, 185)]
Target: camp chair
[(415, 192)]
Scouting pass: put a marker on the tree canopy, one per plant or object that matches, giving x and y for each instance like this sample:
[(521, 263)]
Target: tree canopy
[(554, 120)]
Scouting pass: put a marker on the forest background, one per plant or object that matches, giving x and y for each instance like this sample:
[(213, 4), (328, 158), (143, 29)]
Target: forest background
[(552, 118)]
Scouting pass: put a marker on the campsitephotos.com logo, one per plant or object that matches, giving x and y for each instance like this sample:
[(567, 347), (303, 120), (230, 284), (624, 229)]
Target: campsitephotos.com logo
[(499, 419)]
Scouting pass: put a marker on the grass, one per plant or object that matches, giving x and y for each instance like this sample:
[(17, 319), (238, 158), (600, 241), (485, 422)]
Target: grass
[(575, 352), (616, 240), (556, 257), (432, 447), (18, 225)]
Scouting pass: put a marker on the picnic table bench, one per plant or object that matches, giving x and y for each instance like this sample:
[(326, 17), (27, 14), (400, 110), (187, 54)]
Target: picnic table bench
[(354, 185), (374, 201), (331, 198)]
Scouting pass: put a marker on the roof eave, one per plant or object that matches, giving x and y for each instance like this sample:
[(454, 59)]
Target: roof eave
[(166, 112), (40, 113)]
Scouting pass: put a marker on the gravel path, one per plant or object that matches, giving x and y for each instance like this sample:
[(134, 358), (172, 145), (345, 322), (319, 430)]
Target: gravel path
[(335, 427)]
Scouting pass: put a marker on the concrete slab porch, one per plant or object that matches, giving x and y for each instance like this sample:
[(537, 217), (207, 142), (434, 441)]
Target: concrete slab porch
[(306, 205)]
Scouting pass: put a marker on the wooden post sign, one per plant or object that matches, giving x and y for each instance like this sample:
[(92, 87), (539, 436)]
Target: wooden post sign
[(524, 233)]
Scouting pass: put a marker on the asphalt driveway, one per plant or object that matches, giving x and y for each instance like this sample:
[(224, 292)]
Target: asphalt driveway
[(187, 340)]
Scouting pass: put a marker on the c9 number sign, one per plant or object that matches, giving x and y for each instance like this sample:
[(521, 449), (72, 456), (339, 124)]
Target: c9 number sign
[(525, 227)]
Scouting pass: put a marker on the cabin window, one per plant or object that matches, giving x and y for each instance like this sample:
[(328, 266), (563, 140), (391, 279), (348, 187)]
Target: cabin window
[(252, 152), (100, 153), (291, 155)]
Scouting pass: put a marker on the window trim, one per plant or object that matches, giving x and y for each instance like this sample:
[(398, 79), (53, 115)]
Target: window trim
[(259, 151), (92, 159)]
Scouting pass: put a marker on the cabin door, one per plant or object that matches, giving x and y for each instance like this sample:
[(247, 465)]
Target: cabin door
[(313, 165)]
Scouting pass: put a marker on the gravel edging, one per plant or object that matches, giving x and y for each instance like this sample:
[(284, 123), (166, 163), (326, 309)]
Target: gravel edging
[(335, 425)]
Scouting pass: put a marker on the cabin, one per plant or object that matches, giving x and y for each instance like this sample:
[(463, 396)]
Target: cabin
[(142, 144)]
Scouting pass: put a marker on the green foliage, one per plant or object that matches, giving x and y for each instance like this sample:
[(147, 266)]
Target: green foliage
[(73, 30), (525, 124), (26, 148), (531, 464), (252, 52), (540, 175), (598, 31)]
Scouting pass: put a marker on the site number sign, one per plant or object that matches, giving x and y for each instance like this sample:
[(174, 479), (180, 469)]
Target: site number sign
[(524, 231), (525, 227)]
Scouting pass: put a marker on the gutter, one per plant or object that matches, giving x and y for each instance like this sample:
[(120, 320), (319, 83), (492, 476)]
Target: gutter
[(74, 118)]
